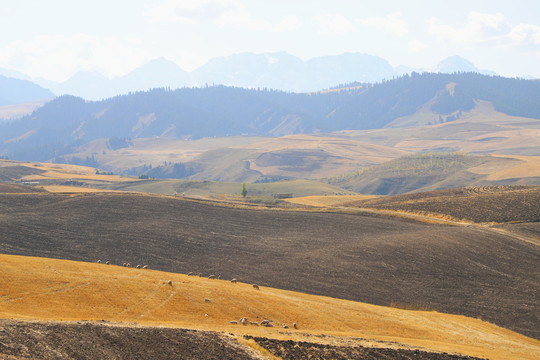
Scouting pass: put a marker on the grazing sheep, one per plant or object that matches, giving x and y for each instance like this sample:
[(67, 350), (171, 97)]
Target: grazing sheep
[(211, 277), (254, 323), (206, 300), (285, 326), (243, 320), (295, 326), (138, 266), (128, 265), (234, 281), (256, 287), (107, 263), (206, 314), (169, 282), (124, 264), (190, 273), (99, 261), (145, 267), (265, 322), (233, 322), (219, 277)]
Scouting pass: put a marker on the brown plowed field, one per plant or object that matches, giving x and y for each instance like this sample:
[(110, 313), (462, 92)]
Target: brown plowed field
[(294, 350), (34, 340), (374, 259), (478, 204), (85, 340)]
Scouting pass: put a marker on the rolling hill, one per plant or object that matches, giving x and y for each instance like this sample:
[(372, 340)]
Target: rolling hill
[(138, 311), (485, 204), (64, 178), (63, 125), (434, 171), (474, 271)]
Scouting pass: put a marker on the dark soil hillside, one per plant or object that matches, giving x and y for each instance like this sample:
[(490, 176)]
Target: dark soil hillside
[(479, 204), (18, 188), (51, 340), (374, 259), (292, 350), (15, 172), (24, 340)]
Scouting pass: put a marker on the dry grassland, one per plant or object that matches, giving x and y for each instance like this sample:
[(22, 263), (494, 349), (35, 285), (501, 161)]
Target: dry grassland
[(49, 171), (61, 189), (328, 200), (20, 110), (46, 289), (528, 166)]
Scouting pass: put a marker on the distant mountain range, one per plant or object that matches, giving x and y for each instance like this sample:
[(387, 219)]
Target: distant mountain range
[(279, 70), (16, 91), (67, 122)]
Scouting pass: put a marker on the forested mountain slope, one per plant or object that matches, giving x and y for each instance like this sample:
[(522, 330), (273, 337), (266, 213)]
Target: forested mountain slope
[(67, 122)]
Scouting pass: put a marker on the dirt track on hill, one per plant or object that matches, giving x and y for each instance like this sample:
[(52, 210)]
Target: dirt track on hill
[(369, 258)]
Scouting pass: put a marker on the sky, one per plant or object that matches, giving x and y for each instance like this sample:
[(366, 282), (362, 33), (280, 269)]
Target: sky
[(54, 39)]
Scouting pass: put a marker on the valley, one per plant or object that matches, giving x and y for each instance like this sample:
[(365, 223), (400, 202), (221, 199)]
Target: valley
[(389, 220), (359, 256)]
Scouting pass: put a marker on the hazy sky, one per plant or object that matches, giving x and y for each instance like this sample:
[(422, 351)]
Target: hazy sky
[(56, 38)]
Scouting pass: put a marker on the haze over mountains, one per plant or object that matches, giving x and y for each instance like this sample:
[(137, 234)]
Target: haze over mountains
[(351, 125), (504, 114), (16, 91), (278, 70)]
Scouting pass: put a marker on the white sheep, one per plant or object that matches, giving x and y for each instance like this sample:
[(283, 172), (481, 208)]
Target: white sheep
[(190, 273), (211, 277), (138, 266), (107, 263), (234, 281), (145, 267), (243, 320), (99, 261)]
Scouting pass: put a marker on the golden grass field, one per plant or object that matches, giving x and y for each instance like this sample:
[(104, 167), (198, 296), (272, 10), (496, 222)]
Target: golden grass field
[(528, 166), (20, 110), (49, 289), (328, 200)]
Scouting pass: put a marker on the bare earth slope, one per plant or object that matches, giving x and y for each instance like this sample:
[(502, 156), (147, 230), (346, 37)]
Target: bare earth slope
[(56, 340), (374, 259), (479, 204), (22, 340)]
